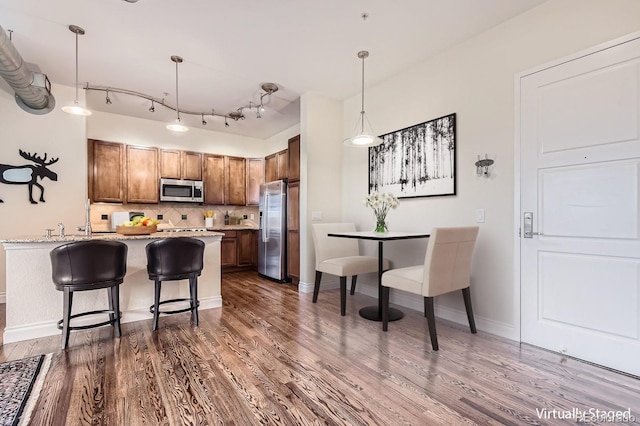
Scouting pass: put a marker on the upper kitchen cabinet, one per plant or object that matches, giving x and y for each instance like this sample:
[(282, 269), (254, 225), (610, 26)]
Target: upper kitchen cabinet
[(177, 164), (255, 178), (235, 177), (294, 158), (105, 171), (170, 164), (142, 175), (213, 179), (276, 166), (191, 165)]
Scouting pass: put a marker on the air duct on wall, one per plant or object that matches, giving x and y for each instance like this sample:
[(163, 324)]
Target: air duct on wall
[(32, 89)]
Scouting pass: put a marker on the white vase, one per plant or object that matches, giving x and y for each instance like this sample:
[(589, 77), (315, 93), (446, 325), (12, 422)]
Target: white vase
[(208, 222)]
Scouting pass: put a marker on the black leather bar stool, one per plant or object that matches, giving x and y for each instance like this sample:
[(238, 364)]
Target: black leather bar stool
[(173, 259), (89, 265)]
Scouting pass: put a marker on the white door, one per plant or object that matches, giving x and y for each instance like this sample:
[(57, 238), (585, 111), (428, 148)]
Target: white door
[(580, 168)]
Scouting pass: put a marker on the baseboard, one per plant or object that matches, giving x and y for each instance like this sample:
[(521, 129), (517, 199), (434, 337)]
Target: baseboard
[(3, 298), (49, 328), (324, 285)]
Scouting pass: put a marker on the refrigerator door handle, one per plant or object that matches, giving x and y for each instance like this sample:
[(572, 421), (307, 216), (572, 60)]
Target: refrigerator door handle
[(265, 216)]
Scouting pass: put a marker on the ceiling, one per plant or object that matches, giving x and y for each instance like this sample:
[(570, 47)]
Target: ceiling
[(231, 48)]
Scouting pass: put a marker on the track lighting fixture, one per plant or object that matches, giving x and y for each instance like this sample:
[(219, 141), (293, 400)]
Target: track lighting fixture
[(204, 123), (76, 108), (238, 114), (108, 100), (177, 126)]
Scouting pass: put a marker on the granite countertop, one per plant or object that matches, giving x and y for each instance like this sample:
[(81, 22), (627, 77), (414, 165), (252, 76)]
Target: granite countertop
[(108, 236)]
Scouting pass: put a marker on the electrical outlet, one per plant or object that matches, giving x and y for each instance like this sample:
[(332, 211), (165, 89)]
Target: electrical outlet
[(479, 215), (316, 216), (245, 217), (160, 217), (184, 217), (104, 217), (252, 216)]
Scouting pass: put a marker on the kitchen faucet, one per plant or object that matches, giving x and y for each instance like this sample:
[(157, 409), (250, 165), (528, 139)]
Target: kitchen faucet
[(61, 227), (87, 224)]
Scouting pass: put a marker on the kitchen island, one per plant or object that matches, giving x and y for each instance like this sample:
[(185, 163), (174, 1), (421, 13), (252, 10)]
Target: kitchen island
[(34, 306)]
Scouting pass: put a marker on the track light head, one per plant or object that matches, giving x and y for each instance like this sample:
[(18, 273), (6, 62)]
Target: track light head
[(204, 123), (226, 124), (152, 108), (108, 99)]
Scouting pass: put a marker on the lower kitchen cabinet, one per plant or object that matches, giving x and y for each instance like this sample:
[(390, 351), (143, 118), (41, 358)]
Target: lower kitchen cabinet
[(239, 250), (229, 250)]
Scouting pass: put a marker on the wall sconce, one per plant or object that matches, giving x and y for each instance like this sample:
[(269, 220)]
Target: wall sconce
[(482, 166)]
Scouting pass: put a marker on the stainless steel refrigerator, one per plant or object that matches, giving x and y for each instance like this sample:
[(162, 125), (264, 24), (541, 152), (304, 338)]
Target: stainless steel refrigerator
[(272, 238)]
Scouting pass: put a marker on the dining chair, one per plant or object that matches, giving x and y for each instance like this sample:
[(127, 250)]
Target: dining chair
[(341, 257), (447, 268)]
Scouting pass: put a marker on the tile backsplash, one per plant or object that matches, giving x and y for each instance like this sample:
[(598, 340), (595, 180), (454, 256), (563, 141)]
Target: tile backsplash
[(175, 214)]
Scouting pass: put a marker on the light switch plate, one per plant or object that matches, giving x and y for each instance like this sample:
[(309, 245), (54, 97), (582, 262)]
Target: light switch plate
[(316, 216), (479, 215)]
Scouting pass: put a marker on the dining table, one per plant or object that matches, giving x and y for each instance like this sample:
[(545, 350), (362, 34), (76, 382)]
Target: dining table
[(374, 313)]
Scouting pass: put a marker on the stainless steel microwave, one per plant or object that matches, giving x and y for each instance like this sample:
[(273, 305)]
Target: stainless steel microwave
[(185, 191)]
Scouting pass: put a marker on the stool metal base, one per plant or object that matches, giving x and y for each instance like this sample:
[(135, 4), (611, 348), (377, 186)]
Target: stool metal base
[(99, 324), (177, 311)]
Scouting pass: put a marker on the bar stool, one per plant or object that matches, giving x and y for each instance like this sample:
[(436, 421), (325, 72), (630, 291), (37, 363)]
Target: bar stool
[(173, 259), (89, 265)]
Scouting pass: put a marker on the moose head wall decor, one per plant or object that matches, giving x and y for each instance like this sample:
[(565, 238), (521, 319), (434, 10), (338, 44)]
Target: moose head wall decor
[(28, 174)]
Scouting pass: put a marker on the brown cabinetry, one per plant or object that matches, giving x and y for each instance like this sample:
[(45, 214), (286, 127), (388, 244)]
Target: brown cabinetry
[(276, 166), (294, 158), (235, 175), (229, 249), (142, 174), (170, 164), (239, 250), (191, 163), (255, 178), (176, 164), (106, 171), (293, 210), (247, 248), (214, 185)]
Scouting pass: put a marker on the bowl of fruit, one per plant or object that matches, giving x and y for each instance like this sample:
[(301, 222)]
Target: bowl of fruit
[(138, 225)]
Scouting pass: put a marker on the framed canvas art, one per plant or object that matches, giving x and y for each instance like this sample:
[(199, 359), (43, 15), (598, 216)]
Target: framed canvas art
[(418, 161)]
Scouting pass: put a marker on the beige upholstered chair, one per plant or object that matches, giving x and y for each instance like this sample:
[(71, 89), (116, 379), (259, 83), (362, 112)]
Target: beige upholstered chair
[(341, 257), (446, 268)]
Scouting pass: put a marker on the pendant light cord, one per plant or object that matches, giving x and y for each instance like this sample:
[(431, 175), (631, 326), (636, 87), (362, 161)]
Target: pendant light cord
[(362, 110), (177, 103), (76, 67)]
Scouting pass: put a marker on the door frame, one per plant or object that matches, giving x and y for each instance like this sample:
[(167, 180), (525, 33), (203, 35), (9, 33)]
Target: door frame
[(517, 222)]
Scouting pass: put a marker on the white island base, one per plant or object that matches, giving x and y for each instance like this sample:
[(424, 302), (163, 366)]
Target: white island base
[(34, 306)]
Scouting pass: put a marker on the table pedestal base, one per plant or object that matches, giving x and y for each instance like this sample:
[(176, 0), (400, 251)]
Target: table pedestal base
[(373, 313)]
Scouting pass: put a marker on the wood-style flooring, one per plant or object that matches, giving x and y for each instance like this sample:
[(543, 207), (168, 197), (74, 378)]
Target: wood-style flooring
[(270, 356)]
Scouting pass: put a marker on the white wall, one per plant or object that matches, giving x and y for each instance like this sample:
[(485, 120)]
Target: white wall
[(137, 131), (320, 172), (280, 141), (58, 135), (475, 80)]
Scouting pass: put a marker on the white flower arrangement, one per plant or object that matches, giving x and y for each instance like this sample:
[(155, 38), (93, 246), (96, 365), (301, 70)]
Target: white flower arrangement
[(381, 203)]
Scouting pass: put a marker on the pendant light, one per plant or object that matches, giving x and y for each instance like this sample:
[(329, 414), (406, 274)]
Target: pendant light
[(177, 126), (365, 137), (76, 108)]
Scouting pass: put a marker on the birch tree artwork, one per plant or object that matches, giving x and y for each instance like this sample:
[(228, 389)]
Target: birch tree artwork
[(419, 161)]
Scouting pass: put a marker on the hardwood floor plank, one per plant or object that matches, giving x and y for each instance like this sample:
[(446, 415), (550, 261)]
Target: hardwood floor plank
[(270, 356)]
